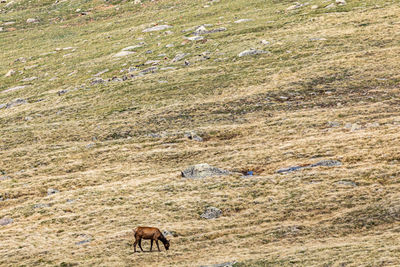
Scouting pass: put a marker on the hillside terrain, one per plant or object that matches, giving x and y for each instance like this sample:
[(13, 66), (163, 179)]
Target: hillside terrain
[(103, 105)]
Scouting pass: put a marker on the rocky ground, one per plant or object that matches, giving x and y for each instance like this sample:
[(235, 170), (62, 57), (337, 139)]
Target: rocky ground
[(253, 133)]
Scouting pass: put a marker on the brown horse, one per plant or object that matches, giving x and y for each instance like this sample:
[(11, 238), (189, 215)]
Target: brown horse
[(152, 233)]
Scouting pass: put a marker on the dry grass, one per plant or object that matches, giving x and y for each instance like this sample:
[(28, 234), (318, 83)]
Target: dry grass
[(257, 113)]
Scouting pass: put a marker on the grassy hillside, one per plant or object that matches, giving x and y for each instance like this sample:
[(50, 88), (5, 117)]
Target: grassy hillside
[(107, 133)]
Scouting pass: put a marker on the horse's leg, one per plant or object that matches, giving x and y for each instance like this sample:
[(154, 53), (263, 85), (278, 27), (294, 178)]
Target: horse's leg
[(140, 245), (151, 245), (157, 245)]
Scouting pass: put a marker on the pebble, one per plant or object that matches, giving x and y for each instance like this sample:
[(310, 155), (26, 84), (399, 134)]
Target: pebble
[(251, 52), (157, 28), (123, 54)]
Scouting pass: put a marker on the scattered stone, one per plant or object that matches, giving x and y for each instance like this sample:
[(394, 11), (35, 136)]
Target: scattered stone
[(62, 92), (195, 38), (330, 6), (243, 20), (30, 67), (347, 183), (152, 62), (193, 136), (157, 28), (341, 2), (213, 31), (169, 233), (15, 88), (353, 127), (5, 221), (5, 177), (8, 23), (31, 20), (211, 213), (296, 6), (200, 30), (179, 57), (97, 81), (333, 124), (52, 191), (290, 169), (29, 79), (101, 72), (251, 52), (132, 47), (314, 7), (202, 170), (168, 32), (318, 39), (149, 70), (322, 163), (123, 54), (265, 42), (83, 241), (16, 102), (10, 73), (3, 105), (224, 264), (1, 29), (373, 125), (69, 48), (326, 163), (132, 69), (137, 2), (41, 205), (169, 45)]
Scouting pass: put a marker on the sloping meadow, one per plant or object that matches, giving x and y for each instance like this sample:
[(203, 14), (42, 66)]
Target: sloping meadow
[(293, 107)]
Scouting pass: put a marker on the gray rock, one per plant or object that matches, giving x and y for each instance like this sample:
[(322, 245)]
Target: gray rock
[(52, 191), (169, 45), (193, 136), (101, 72), (251, 52), (333, 124), (132, 47), (202, 170), (330, 6), (265, 42), (31, 20), (211, 213), (200, 30), (8, 23), (29, 79), (341, 2), (149, 70), (157, 28), (41, 205), (169, 233), (347, 183), (224, 264), (10, 73), (295, 6), (149, 52), (322, 163), (179, 57), (97, 81), (211, 31), (5, 221), (195, 38), (61, 92), (15, 88), (243, 20), (1, 29), (326, 163), (3, 105), (16, 102), (82, 242), (290, 169), (123, 54), (152, 62), (4, 177)]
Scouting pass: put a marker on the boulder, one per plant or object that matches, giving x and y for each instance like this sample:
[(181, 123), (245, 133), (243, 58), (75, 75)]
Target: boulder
[(157, 28), (211, 213), (203, 170), (5, 221), (251, 52)]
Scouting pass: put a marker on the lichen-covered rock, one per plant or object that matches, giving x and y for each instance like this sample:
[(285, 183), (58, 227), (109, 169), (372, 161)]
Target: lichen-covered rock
[(211, 213), (203, 170)]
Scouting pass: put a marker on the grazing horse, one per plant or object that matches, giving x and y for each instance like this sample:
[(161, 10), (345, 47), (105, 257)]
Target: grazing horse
[(152, 233)]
